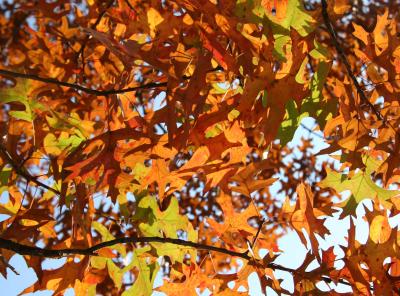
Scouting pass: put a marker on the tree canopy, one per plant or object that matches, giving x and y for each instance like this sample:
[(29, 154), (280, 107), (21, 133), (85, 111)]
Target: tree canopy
[(142, 138)]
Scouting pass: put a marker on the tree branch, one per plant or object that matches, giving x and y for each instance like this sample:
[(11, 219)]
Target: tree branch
[(91, 91), (82, 49), (80, 87), (91, 251), (22, 172), (312, 132), (130, 5), (262, 221), (344, 60)]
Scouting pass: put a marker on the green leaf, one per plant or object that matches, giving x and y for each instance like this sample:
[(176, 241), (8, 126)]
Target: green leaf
[(319, 52), (55, 146), (155, 222), (20, 93), (302, 72), (144, 282), (162, 223), (264, 99), (349, 206), (360, 185), (175, 252), (123, 205), (233, 114), (214, 131), (70, 122), (312, 106), (220, 88), (250, 11), (23, 115), (282, 44), (296, 18), (107, 236), (115, 273), (5, 175), (140, 171), (290, 123)]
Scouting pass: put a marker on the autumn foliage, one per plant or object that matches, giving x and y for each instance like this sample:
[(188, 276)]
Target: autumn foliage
[(142, 139)]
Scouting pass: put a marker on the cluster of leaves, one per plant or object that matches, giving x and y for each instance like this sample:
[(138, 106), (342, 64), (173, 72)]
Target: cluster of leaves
[(141, 138)]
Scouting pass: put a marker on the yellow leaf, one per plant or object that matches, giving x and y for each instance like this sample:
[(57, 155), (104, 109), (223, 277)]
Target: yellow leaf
[(119, 30), (380, 229), (375, 74), (360, 33), (48, 229), (380, 33), (341, 6), (154, 18), (299, 221), (50, 145), (28, 222), (106, 252), (187, 19)]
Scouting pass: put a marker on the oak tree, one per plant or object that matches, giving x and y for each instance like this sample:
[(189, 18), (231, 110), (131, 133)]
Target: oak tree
[(142, 139)]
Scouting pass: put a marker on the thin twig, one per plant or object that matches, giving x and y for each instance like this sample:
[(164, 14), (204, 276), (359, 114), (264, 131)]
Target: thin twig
[(130, 5), (258, 232), (23, 172), (343, 57), (212, 262), (82, 49), (311, 131)]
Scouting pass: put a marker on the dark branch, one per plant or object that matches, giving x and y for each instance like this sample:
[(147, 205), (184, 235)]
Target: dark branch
[(22, 172), (80, 87), (343, 58), (130, 5), (258, 232), (311, 131), (91, 251), (82, 49)]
